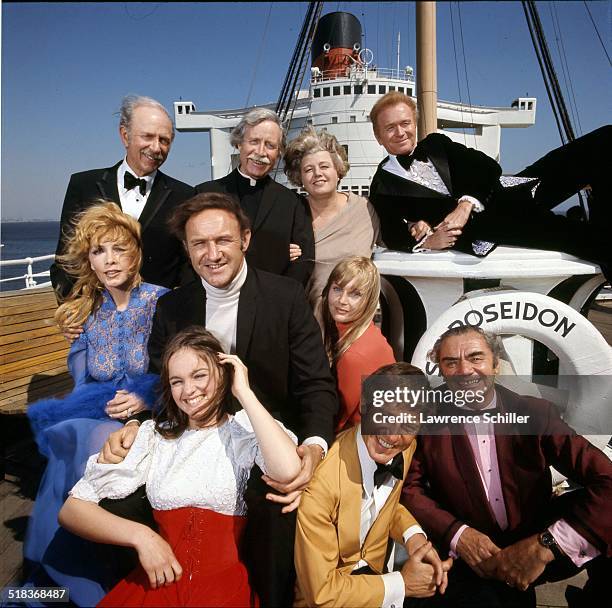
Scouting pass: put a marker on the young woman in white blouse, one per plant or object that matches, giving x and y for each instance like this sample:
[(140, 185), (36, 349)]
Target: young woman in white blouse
[(195, 459)]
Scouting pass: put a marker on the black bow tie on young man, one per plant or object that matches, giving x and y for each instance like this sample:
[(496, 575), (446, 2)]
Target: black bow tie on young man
[(130, 181), (405, 160), (395, 468)]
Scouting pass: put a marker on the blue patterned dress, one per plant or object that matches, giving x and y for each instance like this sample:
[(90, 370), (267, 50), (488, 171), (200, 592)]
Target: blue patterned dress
[(110, 354)]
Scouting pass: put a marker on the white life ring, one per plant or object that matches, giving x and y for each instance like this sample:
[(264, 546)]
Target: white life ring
[(581, 349)]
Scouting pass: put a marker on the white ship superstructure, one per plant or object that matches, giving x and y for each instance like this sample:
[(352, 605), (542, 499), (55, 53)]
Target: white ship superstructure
[(344, 85)]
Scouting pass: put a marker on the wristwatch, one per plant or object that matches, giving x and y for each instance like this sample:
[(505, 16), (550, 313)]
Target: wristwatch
[(546, 539)]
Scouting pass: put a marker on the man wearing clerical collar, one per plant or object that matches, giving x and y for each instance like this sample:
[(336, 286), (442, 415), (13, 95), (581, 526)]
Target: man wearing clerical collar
[(440, 194), (140, 189), (483, 492), (277, 216)]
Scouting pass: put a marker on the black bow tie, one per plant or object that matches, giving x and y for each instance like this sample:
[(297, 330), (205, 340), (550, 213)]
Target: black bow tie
[(129, 182), (395, 468), (405, 160)]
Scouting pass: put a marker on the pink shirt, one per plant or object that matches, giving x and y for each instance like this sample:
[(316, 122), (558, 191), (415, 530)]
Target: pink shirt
[(482, 443)]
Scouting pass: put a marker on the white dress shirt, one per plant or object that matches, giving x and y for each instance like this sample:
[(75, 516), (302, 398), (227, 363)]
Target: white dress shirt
[(132, 202), (373, 499)]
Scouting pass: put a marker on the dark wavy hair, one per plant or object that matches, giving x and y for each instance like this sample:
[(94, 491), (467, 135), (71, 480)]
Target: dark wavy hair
[(170, 420), (206, 201)]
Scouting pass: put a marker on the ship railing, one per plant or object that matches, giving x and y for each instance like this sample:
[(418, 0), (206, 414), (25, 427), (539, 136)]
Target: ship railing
[(30, 276), (362, 73)]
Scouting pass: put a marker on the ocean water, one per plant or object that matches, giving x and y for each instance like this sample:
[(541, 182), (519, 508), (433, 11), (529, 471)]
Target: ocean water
[(26, 239)]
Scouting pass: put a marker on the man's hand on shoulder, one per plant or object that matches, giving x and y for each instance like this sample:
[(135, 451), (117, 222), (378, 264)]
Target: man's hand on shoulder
[(290, 493), (71, 332), (118, 444), (295, 251), (475, 549), (521, 564)]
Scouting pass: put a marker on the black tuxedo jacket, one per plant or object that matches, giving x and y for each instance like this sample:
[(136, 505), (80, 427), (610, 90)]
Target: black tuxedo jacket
[(163, 258), (281, 219), (279, 341), (463, 170), (511, 216)]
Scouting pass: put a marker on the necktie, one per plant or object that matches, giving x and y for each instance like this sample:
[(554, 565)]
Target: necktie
[(395, 468), (129, 182), (405, 160)]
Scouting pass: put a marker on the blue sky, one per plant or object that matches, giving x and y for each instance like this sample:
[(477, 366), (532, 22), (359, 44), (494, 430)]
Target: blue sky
[(66, 66)]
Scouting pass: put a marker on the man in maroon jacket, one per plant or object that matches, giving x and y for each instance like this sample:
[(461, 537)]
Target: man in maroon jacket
[(482, 489)]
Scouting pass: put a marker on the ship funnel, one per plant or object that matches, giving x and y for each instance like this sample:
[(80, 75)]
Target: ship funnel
[(336, 44)]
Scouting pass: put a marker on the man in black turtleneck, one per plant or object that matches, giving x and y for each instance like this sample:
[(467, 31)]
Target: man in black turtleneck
[(276, 214), (440, 194)]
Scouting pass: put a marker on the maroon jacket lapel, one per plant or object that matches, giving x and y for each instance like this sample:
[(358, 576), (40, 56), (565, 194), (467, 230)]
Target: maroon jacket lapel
[(483, 518)]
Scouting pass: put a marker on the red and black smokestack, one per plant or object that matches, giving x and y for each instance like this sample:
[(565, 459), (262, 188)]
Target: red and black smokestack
[(336, 44)]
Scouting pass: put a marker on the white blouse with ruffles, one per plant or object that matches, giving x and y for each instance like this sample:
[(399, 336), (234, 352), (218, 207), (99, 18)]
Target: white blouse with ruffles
[(204, 468)]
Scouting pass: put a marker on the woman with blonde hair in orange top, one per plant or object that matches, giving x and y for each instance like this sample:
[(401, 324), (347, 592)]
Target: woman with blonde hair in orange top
[(354, 345)]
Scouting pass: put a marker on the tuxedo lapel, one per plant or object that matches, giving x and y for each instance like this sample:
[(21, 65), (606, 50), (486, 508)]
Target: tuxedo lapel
[(194, 307), (107, 185), (270, 194), (349, 514), (157, 197), (466, 465), (504, 447), (390, 184), (247, 306)]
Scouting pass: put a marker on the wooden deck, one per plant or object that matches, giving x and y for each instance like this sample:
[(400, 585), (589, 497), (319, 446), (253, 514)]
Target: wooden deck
[(33, 351), (24, 468)]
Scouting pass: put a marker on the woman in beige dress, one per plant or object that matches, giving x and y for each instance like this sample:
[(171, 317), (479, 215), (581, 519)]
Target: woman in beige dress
[(344, 223)]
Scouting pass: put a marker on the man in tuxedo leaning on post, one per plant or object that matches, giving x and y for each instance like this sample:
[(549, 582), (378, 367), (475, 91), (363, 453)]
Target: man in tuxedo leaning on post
[(265, 319), (350, 512), (140, 189), (440, 194)]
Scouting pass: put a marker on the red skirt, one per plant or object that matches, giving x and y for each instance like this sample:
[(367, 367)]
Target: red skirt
[(206, 544)]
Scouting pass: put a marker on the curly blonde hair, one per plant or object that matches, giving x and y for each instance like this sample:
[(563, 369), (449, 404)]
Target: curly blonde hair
[(368, 282), (101, 221), (310, 142)]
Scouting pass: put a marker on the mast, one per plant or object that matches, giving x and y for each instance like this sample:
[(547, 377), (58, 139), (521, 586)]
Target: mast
[(427, 83), (398, 55)]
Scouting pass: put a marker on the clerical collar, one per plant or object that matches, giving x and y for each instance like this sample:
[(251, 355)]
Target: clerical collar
[(222, 293), (125, 168), (252, 182)]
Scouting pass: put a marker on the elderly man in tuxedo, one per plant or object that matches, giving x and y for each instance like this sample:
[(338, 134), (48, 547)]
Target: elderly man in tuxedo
[(440, 194), (482, 489), (277, 216), (139, 188), (266, 320)]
